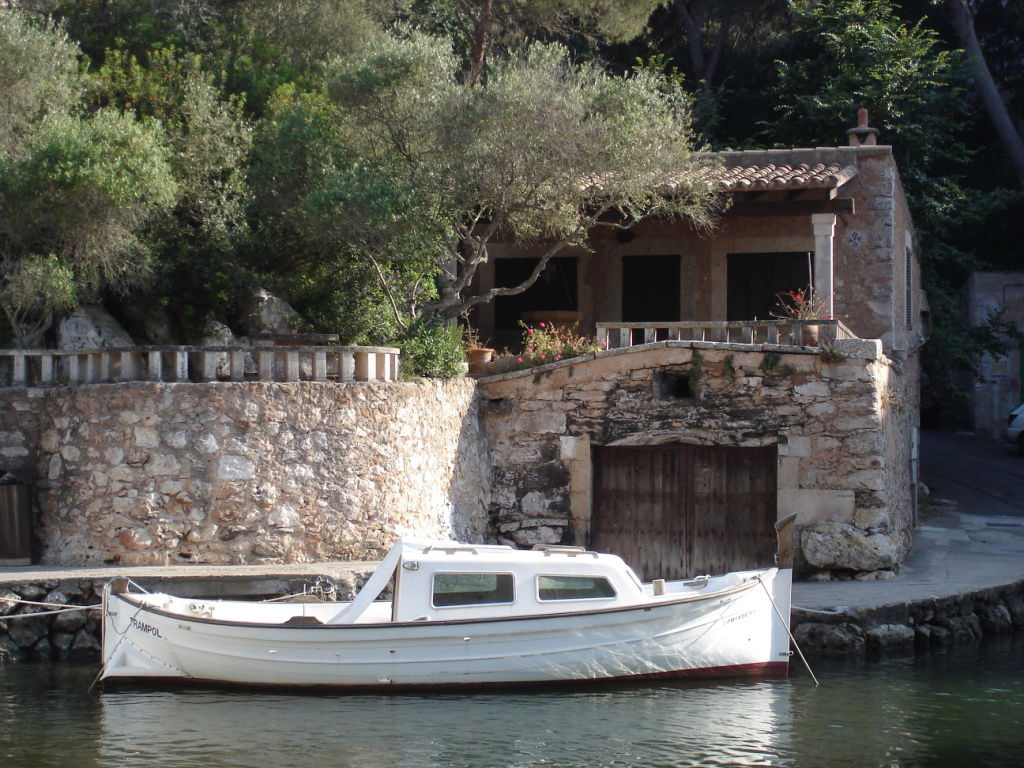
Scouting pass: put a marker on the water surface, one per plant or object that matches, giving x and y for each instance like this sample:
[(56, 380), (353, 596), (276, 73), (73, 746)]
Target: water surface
[(955, 709)]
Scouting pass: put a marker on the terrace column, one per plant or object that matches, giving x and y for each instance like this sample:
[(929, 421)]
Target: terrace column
[(824, 225)]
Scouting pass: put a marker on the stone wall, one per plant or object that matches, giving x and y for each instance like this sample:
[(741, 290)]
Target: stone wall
[(824, 413), (921, 626), (246, 472)]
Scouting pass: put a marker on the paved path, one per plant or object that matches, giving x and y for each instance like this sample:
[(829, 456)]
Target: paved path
[(984, 477)]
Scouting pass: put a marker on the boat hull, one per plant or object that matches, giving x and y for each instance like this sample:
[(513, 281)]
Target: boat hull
[(735, 633)]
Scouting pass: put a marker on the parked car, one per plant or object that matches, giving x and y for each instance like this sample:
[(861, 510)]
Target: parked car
[(1015, 427)]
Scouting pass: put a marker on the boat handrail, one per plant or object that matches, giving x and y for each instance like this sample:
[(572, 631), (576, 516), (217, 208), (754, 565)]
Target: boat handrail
[(449, 550), (564, 549)]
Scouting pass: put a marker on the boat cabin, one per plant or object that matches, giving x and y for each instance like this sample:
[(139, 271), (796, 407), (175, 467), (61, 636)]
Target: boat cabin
[(440, 582), (449, 581)]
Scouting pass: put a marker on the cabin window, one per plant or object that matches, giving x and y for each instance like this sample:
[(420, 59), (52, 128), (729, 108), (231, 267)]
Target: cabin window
[(472, 589), (573, 587)]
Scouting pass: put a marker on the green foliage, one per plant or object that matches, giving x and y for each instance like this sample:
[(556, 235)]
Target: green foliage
[(208, 137), (39, 72), (321, 211), (83, 191), (505, 155), (197, 242), (432, 350), (33, 290), (772, 365), (847, 54)]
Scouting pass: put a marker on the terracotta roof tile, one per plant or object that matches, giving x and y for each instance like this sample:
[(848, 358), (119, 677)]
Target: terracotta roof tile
[(764, 176)]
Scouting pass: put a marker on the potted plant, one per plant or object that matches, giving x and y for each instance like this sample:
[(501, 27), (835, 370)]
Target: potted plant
[(803, 305), (478, 354)]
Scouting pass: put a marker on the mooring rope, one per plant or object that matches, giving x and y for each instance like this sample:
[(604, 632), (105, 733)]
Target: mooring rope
[(60, 608), (788, 632)]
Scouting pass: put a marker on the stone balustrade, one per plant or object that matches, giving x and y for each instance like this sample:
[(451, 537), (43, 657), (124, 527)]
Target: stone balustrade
[(798, 333), (56, 367)]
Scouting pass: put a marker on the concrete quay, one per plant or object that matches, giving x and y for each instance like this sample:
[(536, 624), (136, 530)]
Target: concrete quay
[(964, 578)]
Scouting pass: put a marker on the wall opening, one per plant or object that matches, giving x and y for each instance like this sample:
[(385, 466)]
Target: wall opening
[(673, 386)]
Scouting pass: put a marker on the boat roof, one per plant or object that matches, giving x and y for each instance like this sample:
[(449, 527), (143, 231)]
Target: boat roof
[(497, 554)]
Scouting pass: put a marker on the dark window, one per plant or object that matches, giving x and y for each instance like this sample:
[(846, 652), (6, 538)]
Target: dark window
[(573, 587), (650, 288), (472, 589), (756, 279), (555, 289)]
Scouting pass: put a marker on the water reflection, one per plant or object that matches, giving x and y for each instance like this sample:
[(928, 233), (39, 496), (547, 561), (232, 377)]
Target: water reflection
[(723, 724)]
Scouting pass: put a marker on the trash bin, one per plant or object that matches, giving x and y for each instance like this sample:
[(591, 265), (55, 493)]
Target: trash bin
[(15, 525)]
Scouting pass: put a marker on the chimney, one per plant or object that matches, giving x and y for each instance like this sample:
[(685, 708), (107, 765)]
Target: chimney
[(862, 135)]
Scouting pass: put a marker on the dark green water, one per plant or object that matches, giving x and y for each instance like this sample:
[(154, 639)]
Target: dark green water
[(956, 709)]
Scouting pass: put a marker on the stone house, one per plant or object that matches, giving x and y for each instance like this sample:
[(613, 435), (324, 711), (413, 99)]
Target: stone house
[(708, 421)]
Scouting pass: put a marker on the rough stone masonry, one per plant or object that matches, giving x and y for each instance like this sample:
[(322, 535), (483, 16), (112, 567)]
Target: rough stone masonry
[(156, 473)]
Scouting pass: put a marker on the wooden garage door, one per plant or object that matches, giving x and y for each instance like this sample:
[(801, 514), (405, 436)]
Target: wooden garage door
[(675, 511)]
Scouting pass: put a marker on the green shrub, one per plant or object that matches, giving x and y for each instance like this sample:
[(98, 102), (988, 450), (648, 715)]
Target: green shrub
[(432, 350)]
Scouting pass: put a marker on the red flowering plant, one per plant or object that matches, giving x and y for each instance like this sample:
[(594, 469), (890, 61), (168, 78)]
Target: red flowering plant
[(800, 305), (550, 343)]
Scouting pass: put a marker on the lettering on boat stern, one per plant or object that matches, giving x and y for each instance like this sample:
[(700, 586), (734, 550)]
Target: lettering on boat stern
[(147, 628), (737, 617)]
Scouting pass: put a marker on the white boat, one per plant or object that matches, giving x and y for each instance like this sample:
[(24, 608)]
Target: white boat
[(462, 615)]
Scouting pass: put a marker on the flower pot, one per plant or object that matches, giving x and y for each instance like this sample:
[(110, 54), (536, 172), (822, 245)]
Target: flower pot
[(479, 359)]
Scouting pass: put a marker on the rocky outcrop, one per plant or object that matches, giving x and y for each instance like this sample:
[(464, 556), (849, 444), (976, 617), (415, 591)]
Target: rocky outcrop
[(265, 313), (836, 545), (90, 326)]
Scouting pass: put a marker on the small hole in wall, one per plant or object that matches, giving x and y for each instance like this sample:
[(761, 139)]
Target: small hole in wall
[(673, 386)]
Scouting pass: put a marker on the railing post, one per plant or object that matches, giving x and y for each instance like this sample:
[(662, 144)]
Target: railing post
[(291, 365), (74, 369), (156, 365), (237, 365), (365, 365), (91, 367), (208, 362), (320, 365), (131, 365), (265, 364), (46, 370), (179, 359), (346, 365), (382, 365), (19, 372), (106, 372)]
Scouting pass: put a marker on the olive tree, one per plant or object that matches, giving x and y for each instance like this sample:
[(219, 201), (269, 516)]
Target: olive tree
[(541, 153), (76, 191), (40, 76), (71, 208)]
